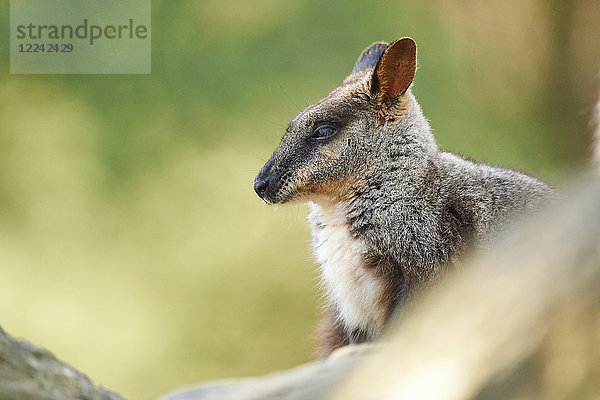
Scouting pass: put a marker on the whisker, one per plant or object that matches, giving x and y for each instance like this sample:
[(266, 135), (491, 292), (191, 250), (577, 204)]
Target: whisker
[(288, 97)]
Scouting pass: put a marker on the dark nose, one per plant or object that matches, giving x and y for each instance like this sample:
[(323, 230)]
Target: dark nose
[(261, 184)]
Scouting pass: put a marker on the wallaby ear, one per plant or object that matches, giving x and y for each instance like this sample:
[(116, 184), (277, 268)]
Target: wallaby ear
[(395, 71), (369, 57)]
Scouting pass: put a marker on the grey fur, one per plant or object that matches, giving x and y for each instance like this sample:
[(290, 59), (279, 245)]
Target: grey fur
[(415, 207)]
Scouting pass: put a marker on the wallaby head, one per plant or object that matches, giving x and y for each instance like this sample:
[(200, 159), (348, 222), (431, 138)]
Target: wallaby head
[(329, 147)]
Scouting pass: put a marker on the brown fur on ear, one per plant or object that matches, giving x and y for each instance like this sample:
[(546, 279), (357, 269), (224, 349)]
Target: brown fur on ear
[(395, 71)]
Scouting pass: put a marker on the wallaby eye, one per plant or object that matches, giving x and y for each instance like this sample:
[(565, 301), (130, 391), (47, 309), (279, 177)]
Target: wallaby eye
[(324, 132)]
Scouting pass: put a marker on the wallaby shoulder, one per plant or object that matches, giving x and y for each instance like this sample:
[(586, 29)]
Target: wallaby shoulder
[(490, 195)]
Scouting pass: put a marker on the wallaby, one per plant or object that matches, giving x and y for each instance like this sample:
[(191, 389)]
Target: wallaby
[(389, 210)]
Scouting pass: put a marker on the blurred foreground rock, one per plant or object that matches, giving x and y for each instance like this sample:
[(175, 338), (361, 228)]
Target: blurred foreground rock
[(28, 372), (521, 321)]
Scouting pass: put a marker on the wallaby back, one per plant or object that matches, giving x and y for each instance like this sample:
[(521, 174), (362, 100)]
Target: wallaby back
[(389, 210)]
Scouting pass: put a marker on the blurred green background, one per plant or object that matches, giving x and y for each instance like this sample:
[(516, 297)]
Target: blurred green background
[(131, 242)]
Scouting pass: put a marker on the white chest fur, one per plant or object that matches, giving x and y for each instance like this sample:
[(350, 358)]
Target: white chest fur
[(353, 289)]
